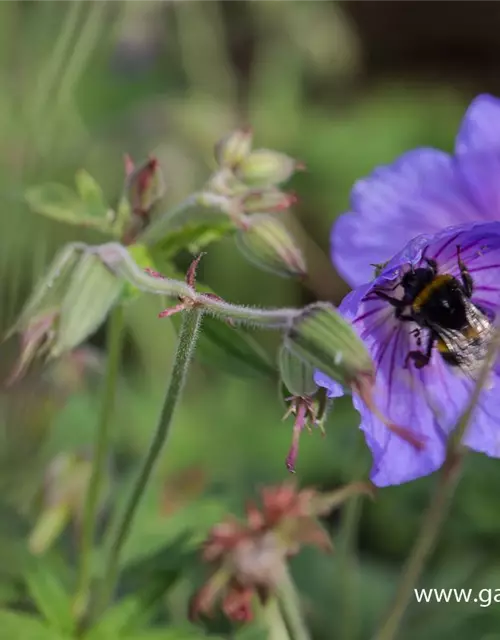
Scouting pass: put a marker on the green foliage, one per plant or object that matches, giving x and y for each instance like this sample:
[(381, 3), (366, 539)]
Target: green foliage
[(85, 208), (233, 351), (193, 237), (50, 597), (17, 626)]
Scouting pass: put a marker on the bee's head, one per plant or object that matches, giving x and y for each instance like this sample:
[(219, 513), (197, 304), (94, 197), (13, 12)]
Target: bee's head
[(414, 280)]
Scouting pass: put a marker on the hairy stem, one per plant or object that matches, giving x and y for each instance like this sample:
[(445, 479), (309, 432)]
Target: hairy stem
[(185, 347), (101, 448), (117, 258), (438, 506)]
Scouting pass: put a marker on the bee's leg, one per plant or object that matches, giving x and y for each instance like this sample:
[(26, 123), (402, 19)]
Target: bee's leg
[(467, 280), (395, 302), (432, 264), (416, 333), (421, 359)]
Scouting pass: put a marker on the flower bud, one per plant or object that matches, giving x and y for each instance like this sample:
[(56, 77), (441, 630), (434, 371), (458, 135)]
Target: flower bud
[(267, 200), (144, 188), (233, 148), (91, 293), (297, 374), (265, 168), (268, 243), (320, 336), (144, 184)]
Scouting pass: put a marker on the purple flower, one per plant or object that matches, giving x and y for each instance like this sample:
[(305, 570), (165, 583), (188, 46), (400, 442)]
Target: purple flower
[(427, 400), (424, 191)]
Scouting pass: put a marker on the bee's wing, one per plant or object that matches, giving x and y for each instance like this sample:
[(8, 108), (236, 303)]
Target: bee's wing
[(466, 348)]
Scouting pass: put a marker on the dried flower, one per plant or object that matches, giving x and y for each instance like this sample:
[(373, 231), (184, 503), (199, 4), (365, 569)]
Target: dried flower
[(248, 558)]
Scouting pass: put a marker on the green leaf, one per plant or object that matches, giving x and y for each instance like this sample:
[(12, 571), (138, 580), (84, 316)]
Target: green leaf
[(18, 626), (132, 612), (193, 237), (91, 194), (61, 203), (49, 596), (233, 350)]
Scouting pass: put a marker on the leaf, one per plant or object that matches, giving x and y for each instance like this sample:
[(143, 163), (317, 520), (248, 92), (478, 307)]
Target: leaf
[(91, 194), (60, 203), (49, 596), (233, 350), (132, 612), (193, 237), (18, 626)]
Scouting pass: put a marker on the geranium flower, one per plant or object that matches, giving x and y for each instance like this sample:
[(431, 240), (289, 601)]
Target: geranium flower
[(428, 399), (424, 191)]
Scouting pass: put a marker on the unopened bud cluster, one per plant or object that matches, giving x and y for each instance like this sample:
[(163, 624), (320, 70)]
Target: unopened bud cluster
[(248, 180)]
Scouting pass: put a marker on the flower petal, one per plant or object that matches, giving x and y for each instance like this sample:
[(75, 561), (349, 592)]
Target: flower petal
[(478, 155), (480, 172), (480, 128), (422, 192), (430, 400), (483, 434), (401, 396)]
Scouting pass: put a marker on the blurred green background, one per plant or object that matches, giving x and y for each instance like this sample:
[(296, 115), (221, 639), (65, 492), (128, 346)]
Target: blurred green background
[(342, 86)]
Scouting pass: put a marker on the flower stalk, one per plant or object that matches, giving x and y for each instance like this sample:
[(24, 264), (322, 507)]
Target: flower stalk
[(101, 449), (291, 608), (273, 621), (185, 348), (117, 258), (439, 505)]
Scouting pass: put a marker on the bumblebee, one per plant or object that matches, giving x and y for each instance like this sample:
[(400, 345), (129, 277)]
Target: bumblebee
[(441, 304)]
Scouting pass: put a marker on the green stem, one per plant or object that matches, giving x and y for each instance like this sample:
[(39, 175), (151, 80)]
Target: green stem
[(118, 259), (438, 506), (185, 347), (291, 608), (346, 548), (347, 566), (273, 621), (101, 448)]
